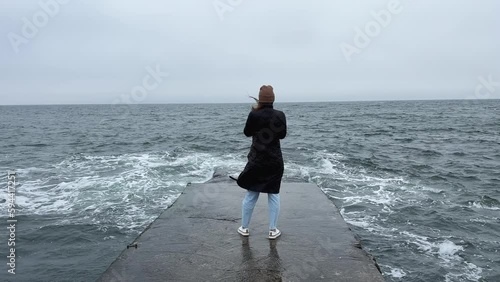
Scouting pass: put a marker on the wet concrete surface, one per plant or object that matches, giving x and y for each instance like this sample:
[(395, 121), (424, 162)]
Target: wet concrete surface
[(196, 240)]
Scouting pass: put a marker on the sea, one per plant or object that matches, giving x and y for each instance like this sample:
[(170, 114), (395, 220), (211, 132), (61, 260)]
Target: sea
[(417, 181)]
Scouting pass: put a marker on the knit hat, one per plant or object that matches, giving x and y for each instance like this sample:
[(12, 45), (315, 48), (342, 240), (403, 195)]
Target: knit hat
[(266, 94)]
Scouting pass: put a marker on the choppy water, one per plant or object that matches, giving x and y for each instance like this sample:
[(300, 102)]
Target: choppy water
[(418, 181)]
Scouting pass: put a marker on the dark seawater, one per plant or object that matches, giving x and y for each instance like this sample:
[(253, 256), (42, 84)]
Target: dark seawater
[(419, 181)]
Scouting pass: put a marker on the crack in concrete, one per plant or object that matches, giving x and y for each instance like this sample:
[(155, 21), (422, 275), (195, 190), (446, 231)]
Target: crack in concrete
[(220, 219)]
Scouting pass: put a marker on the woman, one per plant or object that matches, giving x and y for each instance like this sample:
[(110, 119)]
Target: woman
[(264, 169)]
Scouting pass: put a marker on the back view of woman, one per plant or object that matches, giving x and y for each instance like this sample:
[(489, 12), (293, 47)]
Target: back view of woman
[(265, 166)]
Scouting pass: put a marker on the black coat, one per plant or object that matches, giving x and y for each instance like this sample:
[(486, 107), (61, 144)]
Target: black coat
[(265, 167)]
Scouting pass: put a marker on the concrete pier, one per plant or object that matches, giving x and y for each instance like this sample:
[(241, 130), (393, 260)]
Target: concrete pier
[(196, 240)]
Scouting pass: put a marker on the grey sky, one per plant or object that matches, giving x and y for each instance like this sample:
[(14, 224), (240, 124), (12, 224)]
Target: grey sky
[(94, 51)]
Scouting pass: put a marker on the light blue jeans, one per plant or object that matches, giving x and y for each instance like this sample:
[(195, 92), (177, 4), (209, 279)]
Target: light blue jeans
[(249, 202)]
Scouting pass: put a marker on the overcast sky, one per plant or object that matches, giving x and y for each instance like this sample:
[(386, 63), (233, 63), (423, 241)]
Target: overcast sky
[(104, 51)]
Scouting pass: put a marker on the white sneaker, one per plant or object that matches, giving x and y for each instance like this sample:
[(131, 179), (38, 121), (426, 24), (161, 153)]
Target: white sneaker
[(244, 231), (274, 234)]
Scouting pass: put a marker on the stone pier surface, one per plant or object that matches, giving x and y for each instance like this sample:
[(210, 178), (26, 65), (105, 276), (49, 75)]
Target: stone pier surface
[(196, 240)]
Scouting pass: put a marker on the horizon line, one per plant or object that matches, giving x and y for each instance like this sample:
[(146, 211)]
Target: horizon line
[(221, 103)]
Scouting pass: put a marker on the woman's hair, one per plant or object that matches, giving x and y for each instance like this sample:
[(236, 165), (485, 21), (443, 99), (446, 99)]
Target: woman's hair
[(257, 106)]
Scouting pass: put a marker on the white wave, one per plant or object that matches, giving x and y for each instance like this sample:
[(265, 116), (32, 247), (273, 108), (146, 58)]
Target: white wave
[(362, 224), (29, 170), (485, 220), (447, 250), (421, 242), (369, 223), (394, 271), (470, 272), (381, 196), (294, 170), (123, 191), (378, 194), (449, 254), (430, 189), (481, 206)]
